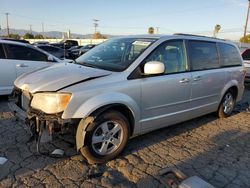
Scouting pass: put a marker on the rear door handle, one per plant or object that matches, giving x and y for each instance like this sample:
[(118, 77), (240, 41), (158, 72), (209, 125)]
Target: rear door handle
[(22, 65), (197, 78), (184, 80)]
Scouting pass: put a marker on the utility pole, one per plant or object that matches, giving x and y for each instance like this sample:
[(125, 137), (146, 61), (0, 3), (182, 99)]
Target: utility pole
[(245, 30), (42, 28), (30, 29), (7, 22), (96, 24)]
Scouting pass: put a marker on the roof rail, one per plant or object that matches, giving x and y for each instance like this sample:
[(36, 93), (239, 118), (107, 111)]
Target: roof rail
[(192, 35)]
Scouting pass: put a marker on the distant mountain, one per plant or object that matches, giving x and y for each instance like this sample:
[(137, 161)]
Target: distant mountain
[(52, 34)]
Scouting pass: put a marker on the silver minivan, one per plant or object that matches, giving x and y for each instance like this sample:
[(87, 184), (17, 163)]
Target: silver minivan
[(132, 85)]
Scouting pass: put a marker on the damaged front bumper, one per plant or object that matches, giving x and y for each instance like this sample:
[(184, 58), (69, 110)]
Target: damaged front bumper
[(42, 126)]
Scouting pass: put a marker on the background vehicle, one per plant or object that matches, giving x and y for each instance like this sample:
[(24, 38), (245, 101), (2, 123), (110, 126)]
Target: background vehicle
[(132, 85), (66, 44), (86, 48), (74, 51), (246, 58), (16, 40), (18, 58), (56, 51), (40, 42), (74, 48)]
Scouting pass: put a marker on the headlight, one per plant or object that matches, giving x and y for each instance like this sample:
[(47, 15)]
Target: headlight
[(50, 103)]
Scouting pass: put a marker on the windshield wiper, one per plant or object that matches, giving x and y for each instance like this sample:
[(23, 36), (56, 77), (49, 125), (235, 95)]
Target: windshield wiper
[(74, 61), (86, 64)]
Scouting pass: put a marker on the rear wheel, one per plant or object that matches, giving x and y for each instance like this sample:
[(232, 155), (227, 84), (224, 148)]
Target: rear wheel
[(227, 105), (106, 137)]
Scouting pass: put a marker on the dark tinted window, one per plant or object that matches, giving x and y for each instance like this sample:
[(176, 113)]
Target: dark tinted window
[(49, 48), (229, 55), (24, 53), (246, 55), (203, 55), (172, 54), (2, 55)]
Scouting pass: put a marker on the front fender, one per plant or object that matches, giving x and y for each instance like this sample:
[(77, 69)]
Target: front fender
[(98, 101)]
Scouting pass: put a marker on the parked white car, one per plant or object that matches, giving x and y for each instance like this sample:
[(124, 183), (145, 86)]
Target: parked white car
[(18, 58)]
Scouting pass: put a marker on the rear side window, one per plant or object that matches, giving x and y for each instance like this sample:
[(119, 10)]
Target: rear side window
[(203, 55), (2, 55), (229, 55), (246, 55), (24, 53)]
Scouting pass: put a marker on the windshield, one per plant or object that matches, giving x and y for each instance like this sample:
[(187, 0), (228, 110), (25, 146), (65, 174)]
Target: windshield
[(115, 54)]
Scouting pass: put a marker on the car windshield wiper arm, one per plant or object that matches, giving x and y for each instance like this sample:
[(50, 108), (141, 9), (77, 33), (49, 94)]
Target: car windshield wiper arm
[(86, 64)]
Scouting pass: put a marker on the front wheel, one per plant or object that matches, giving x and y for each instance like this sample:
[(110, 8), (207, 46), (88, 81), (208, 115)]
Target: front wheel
[(106, 137), (227, 105)]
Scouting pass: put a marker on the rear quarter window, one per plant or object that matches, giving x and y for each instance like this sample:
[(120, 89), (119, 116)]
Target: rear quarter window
[(246, 55), (229, 55), (203, 55)]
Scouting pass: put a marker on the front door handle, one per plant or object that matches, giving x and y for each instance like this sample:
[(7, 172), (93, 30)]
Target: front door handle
[(184, 80), (197, 78), (22, 65)]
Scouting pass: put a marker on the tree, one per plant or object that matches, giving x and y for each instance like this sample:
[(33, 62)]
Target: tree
[(245, 39), (14, 36), (28, 36), (98, 35), (151, 30), (39, 36)]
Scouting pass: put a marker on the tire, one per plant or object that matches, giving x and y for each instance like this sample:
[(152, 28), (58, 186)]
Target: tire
[(106, 137), (227, 104)]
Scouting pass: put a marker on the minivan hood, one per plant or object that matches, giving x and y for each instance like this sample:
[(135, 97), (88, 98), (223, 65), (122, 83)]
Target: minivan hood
[(57, 77)]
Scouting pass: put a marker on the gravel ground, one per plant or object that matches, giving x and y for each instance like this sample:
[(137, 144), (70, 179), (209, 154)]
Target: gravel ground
[(217, 150)]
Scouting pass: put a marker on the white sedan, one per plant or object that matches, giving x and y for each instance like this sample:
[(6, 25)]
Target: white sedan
[(18, 58)]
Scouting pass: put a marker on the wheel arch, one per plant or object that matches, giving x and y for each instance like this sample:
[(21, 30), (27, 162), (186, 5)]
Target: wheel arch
[(232, 85), (125, 110), (101, 103), (233, 88)]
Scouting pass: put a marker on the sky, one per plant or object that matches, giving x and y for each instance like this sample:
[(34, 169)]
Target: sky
[(128, 17)]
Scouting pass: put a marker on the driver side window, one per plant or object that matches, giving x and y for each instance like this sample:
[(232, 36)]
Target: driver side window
[(172, 55)]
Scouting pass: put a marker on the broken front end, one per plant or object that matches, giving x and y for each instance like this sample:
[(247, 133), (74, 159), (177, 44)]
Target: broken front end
[(44, 115)]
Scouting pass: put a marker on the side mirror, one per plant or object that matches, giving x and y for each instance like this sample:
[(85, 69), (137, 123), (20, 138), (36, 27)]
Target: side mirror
[(154, 67), (50, 58)]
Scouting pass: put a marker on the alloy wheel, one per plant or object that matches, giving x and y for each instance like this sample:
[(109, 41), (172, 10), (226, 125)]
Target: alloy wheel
[(107, 137)]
